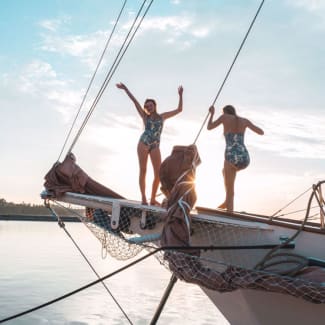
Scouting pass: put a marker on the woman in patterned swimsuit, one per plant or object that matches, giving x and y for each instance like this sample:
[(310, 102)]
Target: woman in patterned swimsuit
[(150, 139), (236, 154)]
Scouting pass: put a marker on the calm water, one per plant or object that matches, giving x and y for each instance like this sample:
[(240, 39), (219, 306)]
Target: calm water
[(39, 263)]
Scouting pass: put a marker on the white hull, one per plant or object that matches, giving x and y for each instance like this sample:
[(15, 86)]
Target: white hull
[(252, 307)]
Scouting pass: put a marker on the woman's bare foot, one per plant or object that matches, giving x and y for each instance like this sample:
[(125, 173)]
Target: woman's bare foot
[(222, 206), (154, 202), (144, 201)]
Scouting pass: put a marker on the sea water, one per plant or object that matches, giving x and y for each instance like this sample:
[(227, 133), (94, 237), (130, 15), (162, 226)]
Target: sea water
[(39, 262)]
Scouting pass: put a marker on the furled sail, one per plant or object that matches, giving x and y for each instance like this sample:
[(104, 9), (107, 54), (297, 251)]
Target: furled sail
[(69, 177)]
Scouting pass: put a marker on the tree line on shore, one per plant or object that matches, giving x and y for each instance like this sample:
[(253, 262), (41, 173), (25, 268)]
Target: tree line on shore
[(11, 208)]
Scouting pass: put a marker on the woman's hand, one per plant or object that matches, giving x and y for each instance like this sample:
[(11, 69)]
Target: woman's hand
[(211, 110), (180, 90), (121, 86)]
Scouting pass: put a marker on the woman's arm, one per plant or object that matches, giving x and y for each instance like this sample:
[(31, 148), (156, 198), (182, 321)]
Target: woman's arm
[(179, 108), (211, 125), (134, 100), (254, 128)]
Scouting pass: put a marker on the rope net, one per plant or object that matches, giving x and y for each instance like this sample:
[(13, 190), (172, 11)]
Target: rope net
[(215, 269), (214, 254)]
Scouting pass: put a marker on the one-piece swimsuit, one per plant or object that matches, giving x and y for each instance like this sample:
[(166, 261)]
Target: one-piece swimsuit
[(151, 135), (236, 152)]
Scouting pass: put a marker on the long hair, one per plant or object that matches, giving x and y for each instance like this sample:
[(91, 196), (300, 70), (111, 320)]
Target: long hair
[(229, 109)]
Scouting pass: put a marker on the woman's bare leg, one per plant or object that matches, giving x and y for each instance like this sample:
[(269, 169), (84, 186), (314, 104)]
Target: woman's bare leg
[(143, 159), (223, 205), (155, 157), (229, 176)]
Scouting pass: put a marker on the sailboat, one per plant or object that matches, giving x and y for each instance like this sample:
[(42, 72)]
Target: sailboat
[(256, 269)]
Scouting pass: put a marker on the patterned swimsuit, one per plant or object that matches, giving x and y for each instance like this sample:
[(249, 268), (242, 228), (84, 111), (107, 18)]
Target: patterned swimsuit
[(236, 152), (151, 135)]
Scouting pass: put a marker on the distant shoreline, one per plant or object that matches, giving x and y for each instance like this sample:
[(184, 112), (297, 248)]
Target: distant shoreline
[(13, 217)]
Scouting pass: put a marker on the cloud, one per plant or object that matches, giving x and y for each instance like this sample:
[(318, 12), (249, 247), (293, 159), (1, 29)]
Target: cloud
[(316, 8), (176, 26), (112, 120), (35, 76), (38, 79), (53, 24), (309, 5), (171, 23), (183, 30), (87, 47), (84, 47), (175, 2), (290, 135)]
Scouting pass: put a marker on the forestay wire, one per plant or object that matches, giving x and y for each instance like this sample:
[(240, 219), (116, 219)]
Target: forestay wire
[(127, 41), (92, 79), (62, 226), (231, 66)]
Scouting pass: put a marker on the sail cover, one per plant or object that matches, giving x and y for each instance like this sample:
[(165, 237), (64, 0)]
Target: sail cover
[(69, 177)]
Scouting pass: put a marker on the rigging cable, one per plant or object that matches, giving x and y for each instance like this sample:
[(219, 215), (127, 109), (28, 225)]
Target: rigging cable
[(113, 69), (267, 260), (92, 79), (62, 225), (281, 215), (274, 215), (231, 66)]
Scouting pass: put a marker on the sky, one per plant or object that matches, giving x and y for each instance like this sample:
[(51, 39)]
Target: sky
[(49, 51)]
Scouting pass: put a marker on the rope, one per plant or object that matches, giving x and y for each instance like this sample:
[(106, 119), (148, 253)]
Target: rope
[(92, 79), (300, 195), (293, 212), (264, 263), (112, 69), (321, 202), (231, 66), (62, 225)]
